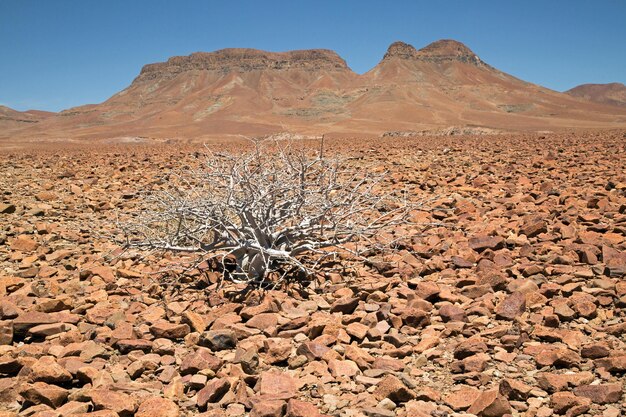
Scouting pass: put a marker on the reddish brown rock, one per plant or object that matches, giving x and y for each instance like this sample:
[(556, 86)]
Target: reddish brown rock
[(342, 368), (480, 243), (46, 369), (212, 392), (394, 389), (449, 312), (122, 404), (511, 307), (470, 347), (312, 350), (276, 350), (168, 330), (297, 408), (42, 393), (267, 408), (490, 404), (345, 305), (564, 401), (6, 332), (199, 360), (601, 393), (158, 407), (534, 228), (274, 385), (24, 243), (462, 399)]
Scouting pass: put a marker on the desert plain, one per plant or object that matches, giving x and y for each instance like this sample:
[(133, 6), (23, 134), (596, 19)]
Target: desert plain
[(512, 305)]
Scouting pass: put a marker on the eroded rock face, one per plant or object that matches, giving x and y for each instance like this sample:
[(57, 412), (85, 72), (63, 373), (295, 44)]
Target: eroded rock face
[(445, 50), (527, 319), (244, 60)]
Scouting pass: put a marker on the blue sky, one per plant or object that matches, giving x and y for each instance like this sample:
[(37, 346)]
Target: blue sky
[(64, 53)]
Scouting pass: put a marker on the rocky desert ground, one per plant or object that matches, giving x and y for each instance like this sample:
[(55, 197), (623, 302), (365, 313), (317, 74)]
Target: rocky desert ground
[(513, 306)]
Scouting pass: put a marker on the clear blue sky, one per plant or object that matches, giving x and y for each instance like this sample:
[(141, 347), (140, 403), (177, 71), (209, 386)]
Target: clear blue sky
[(64, 53)]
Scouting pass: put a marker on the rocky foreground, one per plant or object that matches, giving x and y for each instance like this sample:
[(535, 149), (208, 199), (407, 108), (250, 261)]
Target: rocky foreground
[(514, 306)]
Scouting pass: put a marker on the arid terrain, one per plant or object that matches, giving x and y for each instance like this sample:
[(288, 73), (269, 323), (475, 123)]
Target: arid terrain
[(512, 303)]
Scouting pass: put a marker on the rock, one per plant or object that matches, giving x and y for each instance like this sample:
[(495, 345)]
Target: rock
[(46, 369), (199, 360), (534, 228), (343, 368), (490, 404), (378, 412), (276, 350), (595, 351), (158, 407), (480, 243), (394, 389), (345, 305), (312, 350), (563, 401), (600, 393), (462, 398), (297, 408), (470, 347), (128, 345), (29, 319), (449, 312), (212, 392), (561, 382), (263, 321), (414, 317), (104, 399), (511, 307), (169, 330), (6, 332), (42, 393), (514, 389), (267, 408), (218, 339), (357, 330), (7, 208), (195, 321), (274, 385), (24, 243)]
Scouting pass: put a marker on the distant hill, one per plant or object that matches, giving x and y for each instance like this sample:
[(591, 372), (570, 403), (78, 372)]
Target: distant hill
[(612, 93)]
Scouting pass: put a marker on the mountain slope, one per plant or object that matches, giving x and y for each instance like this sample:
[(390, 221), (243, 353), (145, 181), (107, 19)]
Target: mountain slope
[(252, 92), (11, 119), (612, 93)]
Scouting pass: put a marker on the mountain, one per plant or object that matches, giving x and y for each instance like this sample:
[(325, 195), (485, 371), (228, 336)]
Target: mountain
[(14, 119), (252, 92), (612, 93)]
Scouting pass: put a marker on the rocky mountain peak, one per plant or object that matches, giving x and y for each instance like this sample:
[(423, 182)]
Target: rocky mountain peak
[(443, 50), (400, 50)]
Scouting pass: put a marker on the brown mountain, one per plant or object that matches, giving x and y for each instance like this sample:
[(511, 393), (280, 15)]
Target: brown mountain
[(247, 91), (13, 119), (612, 93)]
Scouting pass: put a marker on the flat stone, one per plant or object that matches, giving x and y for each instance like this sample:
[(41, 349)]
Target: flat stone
[(600, 393), (42, 393), (511, 307), (274, 385), (158, 407), (168, 330)]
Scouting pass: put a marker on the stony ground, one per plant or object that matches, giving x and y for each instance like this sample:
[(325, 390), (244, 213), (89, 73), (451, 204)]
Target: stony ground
[(515, 306)]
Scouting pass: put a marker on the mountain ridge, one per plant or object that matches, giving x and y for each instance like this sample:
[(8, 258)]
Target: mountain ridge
[(247, 91)]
